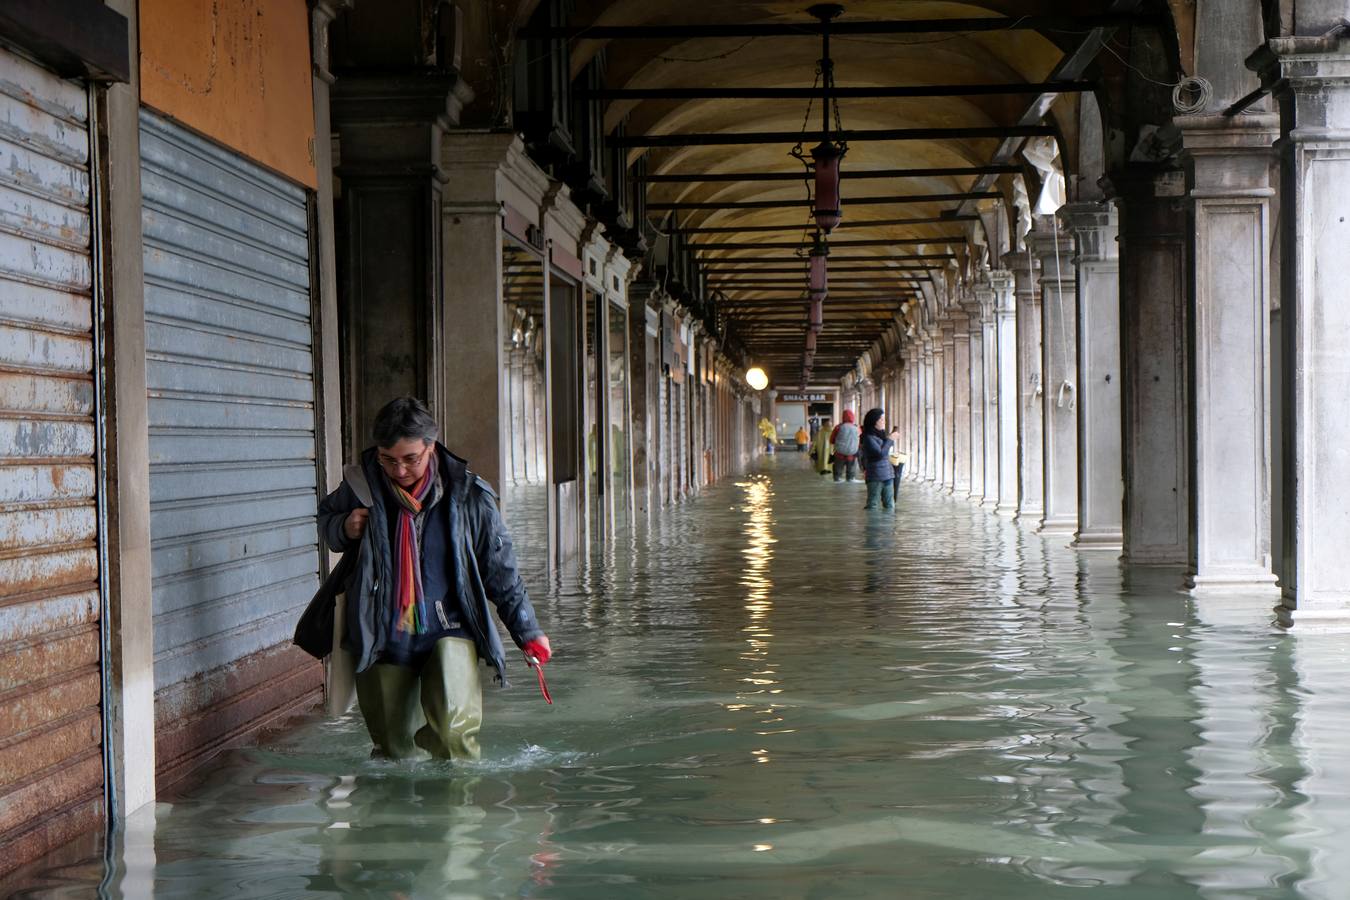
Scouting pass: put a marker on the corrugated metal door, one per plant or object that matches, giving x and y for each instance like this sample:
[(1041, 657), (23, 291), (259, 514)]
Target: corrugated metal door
[(230, 373), (51, 767)]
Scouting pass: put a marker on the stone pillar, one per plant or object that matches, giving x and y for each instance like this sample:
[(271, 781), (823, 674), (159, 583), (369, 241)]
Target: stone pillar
[(1154, 237), (1230, 452), (1059, 363), (911, 420), (1311, 80), (390, 126), (1101, 485), (977, 404), (988, 432), (932, 350), (490, 169), (1006, 389), (129, 666), (960, 390), (947, 476), (643, 418), (1030, 433)]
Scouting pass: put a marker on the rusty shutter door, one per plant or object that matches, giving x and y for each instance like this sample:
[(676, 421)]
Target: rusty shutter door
[(233, 477), (51, 766)]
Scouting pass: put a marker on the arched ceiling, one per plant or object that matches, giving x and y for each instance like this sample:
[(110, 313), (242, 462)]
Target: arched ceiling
[(876, 253)]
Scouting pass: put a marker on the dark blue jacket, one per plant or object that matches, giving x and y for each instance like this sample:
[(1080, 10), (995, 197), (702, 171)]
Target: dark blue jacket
[(479, 563), (874, 453)]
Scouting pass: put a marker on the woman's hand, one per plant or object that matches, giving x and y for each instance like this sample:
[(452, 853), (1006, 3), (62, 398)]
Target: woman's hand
[(355, 524)]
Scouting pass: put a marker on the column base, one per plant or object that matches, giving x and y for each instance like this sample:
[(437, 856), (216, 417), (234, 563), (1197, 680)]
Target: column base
[(1154, 558), (1057, 526), (1029, 516), (1099, 540), (988, 502), (1243, 611), (1005, 509), (1252, 583), (1313, 621)]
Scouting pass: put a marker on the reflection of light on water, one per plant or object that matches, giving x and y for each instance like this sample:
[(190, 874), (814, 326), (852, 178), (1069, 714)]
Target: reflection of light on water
[(758, 555)]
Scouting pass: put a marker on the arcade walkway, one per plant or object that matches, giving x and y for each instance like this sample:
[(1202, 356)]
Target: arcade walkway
[(779, 696)]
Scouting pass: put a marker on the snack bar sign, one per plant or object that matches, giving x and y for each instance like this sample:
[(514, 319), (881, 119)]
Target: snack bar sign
[(810, 397)]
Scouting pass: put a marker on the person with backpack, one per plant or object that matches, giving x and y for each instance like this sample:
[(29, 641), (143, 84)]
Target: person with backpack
[(875, 454), (845, 439)]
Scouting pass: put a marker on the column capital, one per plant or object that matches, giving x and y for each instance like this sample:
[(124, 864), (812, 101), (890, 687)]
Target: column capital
[(1230, 157), (1003, 283), (1055, 251), (1095, 226)]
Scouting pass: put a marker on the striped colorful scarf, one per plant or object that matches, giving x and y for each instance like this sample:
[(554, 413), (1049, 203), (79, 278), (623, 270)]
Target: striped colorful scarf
[(407, 554)]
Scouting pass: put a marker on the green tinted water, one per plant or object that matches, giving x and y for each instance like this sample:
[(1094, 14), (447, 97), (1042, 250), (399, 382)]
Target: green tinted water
[(778, 695)]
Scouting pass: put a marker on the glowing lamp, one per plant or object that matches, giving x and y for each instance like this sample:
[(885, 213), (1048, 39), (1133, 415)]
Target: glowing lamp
[(756, 378)]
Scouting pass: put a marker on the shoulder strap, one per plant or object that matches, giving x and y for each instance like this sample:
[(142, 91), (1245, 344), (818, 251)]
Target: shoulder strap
[(356, 477)]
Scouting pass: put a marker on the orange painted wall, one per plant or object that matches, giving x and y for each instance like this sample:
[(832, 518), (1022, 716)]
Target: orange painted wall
[(238, 71)]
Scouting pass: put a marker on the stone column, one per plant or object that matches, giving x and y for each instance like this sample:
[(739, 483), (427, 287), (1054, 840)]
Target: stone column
[(911, 423), (1101, 485), (988, 397), (490, 169), (1006, 389), (390, 127), (961, 408), (976, 388), (1230, 452), (1310, 77), (948, 477), (1059, 363), (1154, 237), (1030, 433), (932, 403)]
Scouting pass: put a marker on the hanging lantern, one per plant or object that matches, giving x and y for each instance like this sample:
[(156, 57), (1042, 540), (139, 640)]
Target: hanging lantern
[(827, 156), (829, 153), (818, 277), (810, 341), (816, 317)]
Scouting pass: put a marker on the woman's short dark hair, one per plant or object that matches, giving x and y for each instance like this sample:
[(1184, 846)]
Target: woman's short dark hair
[(402, 418), (873, 416)]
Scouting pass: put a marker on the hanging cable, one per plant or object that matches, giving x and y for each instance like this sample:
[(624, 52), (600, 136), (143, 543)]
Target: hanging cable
[(1065, 385)]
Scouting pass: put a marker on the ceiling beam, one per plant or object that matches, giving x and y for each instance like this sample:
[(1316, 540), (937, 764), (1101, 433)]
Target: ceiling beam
[(845, 224), (725, 138), (853, 175), (848, 201), (838, 28), (834, 245), (715, 268), (841, 93), (785, 257)]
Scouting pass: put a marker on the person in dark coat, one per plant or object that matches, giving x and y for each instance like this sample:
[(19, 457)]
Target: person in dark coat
[(433, 555), (874, 452)]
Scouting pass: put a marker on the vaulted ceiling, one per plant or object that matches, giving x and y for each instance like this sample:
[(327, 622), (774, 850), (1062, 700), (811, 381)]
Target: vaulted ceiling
[(746, 205)]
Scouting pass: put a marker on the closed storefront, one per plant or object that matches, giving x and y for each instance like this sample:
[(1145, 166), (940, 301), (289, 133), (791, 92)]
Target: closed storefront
[(230, 374), (51, 761)]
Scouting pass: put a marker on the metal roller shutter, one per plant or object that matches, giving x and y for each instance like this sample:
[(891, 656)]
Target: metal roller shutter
[(51, 765), (230, 374)]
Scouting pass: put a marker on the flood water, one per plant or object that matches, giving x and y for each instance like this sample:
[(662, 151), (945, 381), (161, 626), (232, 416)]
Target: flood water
[(774, 694)]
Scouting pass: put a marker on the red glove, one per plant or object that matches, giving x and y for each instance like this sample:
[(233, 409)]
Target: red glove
[(539, 649)]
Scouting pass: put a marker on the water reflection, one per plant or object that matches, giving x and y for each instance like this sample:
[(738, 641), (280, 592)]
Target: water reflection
[(771, 695)]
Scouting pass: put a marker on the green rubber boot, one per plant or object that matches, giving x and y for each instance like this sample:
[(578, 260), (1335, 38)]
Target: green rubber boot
[(452, 701), (387, 695)]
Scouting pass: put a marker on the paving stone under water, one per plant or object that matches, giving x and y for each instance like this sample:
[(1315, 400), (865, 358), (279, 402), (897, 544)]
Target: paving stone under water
[(775, 694)]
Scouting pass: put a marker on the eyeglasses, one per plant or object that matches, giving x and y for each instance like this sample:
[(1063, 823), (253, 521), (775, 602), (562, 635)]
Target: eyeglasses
[(411, 461)]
